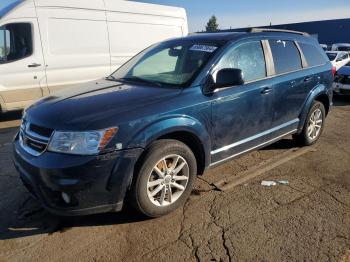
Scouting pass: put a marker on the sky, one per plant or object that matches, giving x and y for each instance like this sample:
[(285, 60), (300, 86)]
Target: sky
[(246, 13)]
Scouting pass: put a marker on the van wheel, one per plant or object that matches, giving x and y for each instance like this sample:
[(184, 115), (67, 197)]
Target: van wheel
[(165, 179), (313, 126)]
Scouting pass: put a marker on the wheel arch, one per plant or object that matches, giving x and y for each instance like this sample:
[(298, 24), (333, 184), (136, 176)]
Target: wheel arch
[(320, 94), (324, 99), (186, 130)]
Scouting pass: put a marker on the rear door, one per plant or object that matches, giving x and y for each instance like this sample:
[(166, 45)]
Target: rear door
[(22, 67), (292, 83)]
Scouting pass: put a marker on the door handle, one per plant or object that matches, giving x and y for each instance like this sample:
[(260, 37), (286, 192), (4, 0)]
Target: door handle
[(34, 65), (266, 90), (308, 78)]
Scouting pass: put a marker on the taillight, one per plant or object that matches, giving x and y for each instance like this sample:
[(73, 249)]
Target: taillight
[(334, 71)]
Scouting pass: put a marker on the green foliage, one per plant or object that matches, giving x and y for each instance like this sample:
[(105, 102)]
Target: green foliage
[(212, 25)]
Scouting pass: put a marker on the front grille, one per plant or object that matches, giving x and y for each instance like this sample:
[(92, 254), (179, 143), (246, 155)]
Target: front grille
[(43, 131), (34, 139)]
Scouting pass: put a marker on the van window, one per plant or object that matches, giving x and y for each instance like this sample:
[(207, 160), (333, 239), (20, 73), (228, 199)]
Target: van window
[(248, 57), (312, 55), (4, 43), (15, 42), (286, 56)]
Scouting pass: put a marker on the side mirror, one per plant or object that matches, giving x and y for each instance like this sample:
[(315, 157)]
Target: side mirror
[(229, 77), (173, 52), (339, 59)]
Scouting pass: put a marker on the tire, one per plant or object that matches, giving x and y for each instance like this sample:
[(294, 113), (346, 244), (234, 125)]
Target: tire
[(304, 138), (152, 171)]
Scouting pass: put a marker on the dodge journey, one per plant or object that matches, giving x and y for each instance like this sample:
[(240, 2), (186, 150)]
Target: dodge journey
[(143, 134)]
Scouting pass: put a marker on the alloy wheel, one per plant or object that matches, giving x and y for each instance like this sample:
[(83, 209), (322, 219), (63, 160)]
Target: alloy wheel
[(168, 180), (315, 124)]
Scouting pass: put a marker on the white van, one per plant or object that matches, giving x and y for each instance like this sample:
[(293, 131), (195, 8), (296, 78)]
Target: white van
[(47, 45)]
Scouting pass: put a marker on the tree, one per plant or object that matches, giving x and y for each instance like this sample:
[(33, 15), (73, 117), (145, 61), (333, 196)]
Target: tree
[(212, 25)]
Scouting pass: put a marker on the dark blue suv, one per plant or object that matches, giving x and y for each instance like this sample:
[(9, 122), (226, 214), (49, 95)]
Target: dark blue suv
[(143, 134)]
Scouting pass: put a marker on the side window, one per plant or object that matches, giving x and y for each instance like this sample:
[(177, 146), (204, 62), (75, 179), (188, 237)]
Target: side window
[(248, 57), (312, 55), (285, 55), (15, 42)]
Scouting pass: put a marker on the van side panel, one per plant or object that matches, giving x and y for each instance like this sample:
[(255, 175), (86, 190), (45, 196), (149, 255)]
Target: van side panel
[(135, 26), (91, 4), (129, 38), (75, 44)]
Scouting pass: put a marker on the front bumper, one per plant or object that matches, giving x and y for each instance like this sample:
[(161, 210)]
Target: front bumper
[(95, 184)]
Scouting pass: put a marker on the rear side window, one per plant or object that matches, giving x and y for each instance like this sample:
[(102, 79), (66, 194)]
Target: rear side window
[(249, 57), (312, 55), (286, 56)]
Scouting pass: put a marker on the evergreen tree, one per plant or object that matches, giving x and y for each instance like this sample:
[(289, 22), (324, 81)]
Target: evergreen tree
[(212, 25)]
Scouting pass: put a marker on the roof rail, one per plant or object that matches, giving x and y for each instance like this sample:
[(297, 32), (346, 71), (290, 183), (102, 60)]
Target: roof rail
[(260, 30)]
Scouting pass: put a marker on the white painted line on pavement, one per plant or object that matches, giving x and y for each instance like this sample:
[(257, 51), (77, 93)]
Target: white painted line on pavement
[(231, 182)]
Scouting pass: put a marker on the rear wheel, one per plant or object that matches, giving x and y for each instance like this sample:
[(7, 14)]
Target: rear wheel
[(165, 179), (313, 126)]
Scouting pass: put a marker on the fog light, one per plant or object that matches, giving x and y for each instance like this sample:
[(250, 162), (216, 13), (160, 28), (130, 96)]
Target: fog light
[(66, 197)]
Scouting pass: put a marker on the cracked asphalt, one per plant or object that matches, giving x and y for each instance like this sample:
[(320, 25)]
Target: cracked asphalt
[(307, 220)]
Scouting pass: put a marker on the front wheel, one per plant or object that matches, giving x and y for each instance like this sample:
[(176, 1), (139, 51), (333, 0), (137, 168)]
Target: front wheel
[(313, 126), (165, 179)]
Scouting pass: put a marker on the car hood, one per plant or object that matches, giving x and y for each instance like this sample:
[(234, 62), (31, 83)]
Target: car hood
[(98, 104), (345, 70)]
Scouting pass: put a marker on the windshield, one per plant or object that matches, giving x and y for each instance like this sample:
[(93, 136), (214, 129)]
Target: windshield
[(331, 56), (170, 63)]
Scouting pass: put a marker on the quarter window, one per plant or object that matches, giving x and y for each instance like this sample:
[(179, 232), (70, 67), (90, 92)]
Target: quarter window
[(312, 55), (249, 57), (15, 42), (286, 56)]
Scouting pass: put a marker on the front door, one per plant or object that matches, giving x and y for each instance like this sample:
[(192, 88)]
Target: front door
[(22, 67), (242, 115)]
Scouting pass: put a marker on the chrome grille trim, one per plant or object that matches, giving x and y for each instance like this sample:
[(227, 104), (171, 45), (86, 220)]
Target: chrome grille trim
[(28, 135)]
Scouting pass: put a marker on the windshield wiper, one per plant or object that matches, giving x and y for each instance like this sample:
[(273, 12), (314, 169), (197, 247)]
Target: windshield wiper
[(141, 80)]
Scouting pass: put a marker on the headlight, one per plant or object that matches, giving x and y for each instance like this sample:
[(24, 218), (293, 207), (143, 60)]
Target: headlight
[(81, 143)]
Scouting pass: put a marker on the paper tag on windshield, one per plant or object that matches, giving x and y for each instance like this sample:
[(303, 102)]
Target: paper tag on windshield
[(203, 48)]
